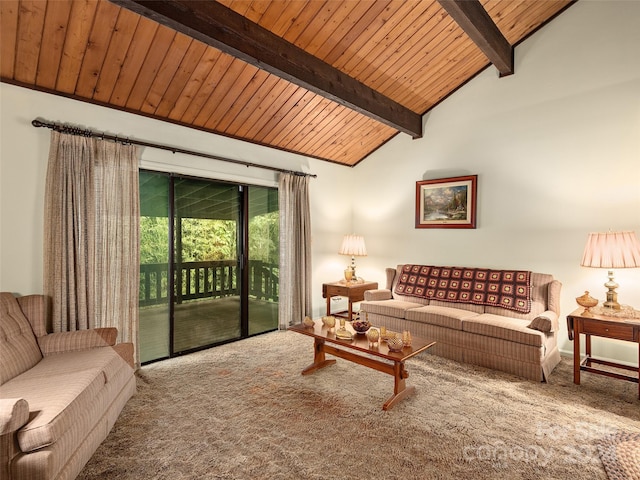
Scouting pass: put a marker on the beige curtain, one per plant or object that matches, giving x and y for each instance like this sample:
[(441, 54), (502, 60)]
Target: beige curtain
[(91, 251), (69, 221), (295, 249)]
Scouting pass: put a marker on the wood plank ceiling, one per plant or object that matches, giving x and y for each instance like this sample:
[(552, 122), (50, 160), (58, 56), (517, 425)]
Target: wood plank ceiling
[(405, 55)]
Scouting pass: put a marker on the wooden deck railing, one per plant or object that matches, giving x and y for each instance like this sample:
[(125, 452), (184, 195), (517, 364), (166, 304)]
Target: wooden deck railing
[(211, 279)]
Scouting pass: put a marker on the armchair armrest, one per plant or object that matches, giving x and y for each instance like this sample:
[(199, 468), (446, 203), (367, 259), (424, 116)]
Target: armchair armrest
[(379, 294), (78, 340), (14, 414)]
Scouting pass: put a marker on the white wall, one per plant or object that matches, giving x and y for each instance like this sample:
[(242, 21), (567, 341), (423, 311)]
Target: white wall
[(556, 148), (23, 162)]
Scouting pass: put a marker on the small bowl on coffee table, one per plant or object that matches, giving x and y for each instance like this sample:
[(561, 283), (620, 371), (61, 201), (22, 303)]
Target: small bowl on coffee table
[(361, 326)]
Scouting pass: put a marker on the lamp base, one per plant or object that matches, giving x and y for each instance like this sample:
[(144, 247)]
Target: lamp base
[(611, 305), (612, 295)]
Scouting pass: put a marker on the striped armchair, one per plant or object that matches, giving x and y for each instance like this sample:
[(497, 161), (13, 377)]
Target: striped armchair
[(60, 393)]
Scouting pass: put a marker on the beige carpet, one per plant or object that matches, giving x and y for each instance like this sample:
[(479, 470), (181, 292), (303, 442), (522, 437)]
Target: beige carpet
[(243, 411)]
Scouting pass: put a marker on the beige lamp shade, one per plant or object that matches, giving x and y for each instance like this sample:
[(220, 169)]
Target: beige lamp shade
[(611, 250), (353, 245)]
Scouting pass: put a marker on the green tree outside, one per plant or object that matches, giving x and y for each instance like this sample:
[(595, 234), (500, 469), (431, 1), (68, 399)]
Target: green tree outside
[(204, 240)]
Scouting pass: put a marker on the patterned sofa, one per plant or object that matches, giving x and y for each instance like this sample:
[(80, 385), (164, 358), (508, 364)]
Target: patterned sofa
[(60, 393), (500, 319)]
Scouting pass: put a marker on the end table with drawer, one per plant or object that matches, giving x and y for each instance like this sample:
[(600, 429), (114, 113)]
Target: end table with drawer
[(354, 291), (601, 326)]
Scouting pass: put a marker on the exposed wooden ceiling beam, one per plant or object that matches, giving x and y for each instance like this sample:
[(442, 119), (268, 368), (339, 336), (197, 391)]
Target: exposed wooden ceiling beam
[(476, 22), (218, 26)]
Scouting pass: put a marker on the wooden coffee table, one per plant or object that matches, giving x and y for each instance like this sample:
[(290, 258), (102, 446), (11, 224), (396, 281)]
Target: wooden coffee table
[(358, 351)]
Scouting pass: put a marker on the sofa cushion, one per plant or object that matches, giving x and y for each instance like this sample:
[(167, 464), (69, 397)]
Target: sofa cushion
[(60, 389), (18, 347), (506, 328), (471, 307), (390, 308), (442, 316)]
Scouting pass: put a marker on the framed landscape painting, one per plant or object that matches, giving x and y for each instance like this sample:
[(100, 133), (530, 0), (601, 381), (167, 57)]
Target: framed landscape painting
[(446, 202)]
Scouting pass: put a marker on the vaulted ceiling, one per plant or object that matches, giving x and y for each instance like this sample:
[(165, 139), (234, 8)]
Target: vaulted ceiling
[(332, 79)]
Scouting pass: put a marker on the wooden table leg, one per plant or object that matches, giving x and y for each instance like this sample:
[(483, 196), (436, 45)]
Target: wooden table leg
[(400, 389), (319, 360), (576, 354), (328, 305)]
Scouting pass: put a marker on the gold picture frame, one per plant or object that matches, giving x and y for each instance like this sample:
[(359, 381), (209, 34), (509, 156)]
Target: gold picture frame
[(447, 202)]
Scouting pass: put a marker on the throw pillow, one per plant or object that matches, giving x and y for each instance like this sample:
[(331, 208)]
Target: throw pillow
[(542, 324)]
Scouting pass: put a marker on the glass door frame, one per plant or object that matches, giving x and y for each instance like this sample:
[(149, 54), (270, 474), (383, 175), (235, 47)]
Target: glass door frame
[(242, 248)]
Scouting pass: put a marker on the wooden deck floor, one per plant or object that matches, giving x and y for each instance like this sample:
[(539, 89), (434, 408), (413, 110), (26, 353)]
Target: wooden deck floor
[(200, 323)]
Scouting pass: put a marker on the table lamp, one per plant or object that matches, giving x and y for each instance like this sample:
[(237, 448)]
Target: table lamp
[(352, 245), (611, 250)]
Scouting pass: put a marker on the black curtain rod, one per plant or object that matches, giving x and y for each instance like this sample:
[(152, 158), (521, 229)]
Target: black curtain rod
[(125, 140)]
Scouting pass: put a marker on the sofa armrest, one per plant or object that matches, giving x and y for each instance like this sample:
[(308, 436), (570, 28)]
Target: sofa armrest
[(125, 350), (379, 294), (14, 414), (78, 340), (546, 322), (36, 309)]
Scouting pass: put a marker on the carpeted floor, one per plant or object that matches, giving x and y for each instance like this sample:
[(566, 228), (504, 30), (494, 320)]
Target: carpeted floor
[(243, 411)]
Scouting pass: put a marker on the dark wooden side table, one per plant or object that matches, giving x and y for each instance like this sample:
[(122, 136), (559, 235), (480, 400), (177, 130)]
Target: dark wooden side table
[(606, 327), (353, 291)]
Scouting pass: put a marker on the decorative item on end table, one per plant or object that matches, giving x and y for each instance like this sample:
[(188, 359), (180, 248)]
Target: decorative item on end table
[(587, 302), (352, 245), (348, 274), (611, 250)]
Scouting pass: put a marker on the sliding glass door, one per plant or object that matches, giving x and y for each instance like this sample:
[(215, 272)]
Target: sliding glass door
[(219, 260), (264, 248), (207, 266), (154, 301)]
